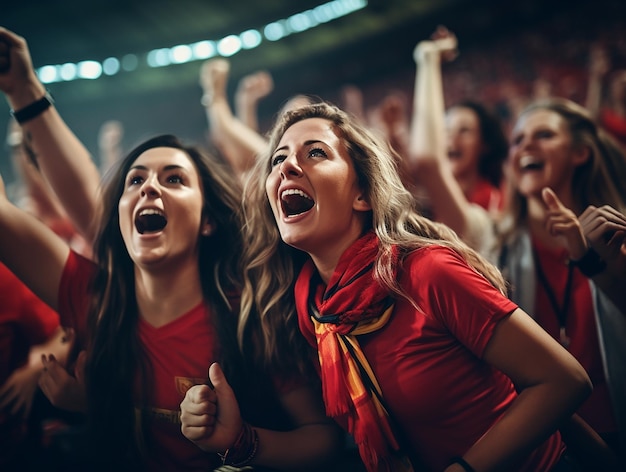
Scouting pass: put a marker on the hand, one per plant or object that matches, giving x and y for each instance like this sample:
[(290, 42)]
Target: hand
[(210, 417), (254, 87), (213, 79), (443, 45), (18, 79), (62, 389), (562, 223), (17, 393), (605, 230), (599, 63)]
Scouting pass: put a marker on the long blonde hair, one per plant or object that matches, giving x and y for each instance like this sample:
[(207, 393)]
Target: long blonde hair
[(270, 265)]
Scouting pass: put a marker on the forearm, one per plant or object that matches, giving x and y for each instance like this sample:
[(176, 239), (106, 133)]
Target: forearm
[(537, 412), (63, 160), (427, 124), (246, 110), (239, 143), (307, 447)]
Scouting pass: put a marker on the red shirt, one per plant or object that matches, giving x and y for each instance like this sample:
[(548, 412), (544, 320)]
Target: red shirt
[(180, 354), (428, 362), (580, 328), (614, 124), (487, 196), (25, 321)]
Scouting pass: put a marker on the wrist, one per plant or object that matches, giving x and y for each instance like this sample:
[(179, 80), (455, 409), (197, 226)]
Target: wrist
[(244, 449), (590, 264), (28, 91), (33, 109)]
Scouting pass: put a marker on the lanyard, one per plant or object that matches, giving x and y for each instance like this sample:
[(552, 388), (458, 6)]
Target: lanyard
[(561, 311)]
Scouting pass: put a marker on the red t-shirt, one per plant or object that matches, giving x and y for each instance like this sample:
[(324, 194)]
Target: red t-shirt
[(487, 196), (580, 327), (180, 354), (428, 363), (25, 321), (614, 124)]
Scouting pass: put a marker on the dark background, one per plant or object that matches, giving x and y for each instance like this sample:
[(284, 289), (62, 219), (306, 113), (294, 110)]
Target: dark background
[(371, 48)]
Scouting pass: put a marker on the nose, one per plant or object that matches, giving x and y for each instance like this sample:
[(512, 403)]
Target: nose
[(151, 187), (290, 167)]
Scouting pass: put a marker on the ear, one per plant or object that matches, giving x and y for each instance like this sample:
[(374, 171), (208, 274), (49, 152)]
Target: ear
[(361, 204), (581, 155)]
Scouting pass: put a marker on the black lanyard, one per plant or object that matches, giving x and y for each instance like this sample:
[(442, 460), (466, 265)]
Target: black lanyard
[(561, 311)]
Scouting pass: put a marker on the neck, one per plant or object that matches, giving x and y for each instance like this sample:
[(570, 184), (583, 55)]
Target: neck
[(164, 296)]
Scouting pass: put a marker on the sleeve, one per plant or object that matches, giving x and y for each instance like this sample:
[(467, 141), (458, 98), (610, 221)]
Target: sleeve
[(459, 297), (74, 292)]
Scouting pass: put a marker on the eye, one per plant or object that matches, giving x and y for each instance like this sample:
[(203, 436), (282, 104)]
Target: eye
[(543, 134), (276, 160), (317, 152), (135, 180), (175, 179)]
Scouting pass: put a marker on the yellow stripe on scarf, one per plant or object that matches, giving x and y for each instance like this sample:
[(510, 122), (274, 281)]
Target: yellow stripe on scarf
[(335, 345)]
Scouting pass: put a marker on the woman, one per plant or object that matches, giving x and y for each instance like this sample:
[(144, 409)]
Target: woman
[(561, 167), (558, 153), (163, 289), (469, 135), (377, 285)]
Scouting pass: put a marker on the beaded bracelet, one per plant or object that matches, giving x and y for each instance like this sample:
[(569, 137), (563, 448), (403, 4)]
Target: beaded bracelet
[(463, 463), (243, 449)]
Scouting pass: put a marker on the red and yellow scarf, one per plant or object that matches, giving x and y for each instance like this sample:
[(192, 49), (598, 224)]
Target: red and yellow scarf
[(332, 317)]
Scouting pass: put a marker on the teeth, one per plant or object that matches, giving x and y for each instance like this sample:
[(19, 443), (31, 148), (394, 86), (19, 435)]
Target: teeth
[(526, 161), (150, 211), (293, 191)]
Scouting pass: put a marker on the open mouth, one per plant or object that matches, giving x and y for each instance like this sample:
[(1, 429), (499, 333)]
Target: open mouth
[(150, 221), (295, 202), (530, 163), (454, 155)]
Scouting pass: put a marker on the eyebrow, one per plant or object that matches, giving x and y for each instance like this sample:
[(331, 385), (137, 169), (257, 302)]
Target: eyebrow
[(168, 167), (306, 143)]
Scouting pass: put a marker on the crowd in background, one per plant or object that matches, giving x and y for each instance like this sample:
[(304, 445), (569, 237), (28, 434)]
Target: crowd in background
[(538, 69)]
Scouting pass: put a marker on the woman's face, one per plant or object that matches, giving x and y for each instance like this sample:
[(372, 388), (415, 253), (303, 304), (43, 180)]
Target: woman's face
[(160, 210), (465, 144), (542, 154), (313, 190)]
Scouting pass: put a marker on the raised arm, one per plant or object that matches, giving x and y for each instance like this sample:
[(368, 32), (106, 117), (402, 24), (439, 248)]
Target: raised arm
[(599, 65), (428, 160), (63, 159), (31, 250), (250, 90), (238, 143)]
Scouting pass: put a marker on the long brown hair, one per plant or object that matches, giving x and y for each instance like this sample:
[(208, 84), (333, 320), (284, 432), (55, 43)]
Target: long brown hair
[(118, 376)]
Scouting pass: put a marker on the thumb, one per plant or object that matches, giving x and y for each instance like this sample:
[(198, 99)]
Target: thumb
[(227, 406), (550, 199)]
